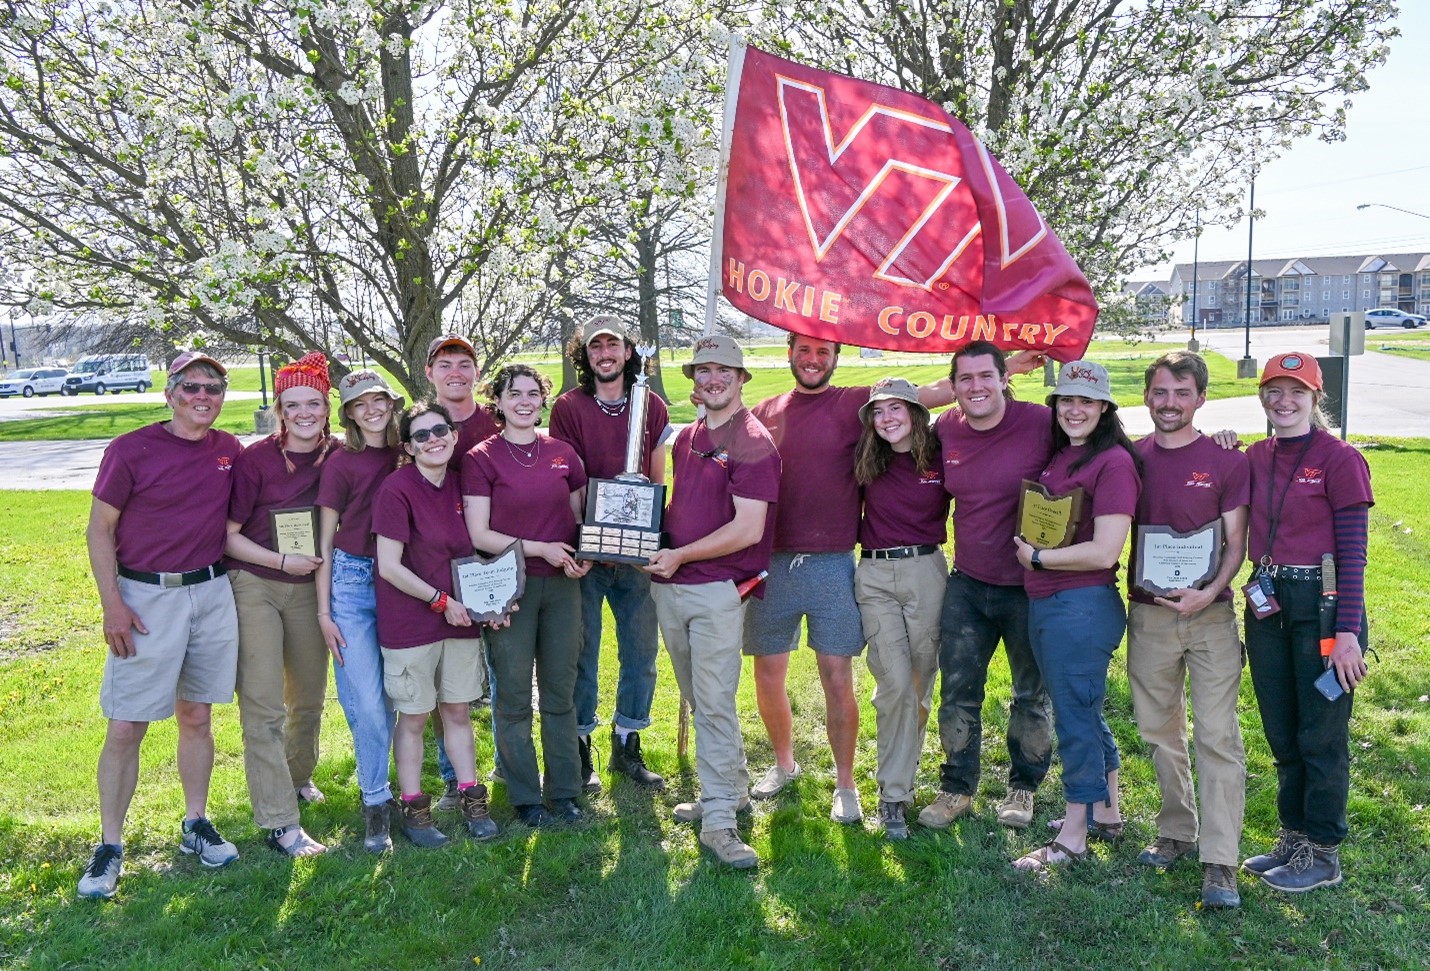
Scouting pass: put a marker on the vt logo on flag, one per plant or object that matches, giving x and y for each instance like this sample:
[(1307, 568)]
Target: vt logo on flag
[(859, 213)]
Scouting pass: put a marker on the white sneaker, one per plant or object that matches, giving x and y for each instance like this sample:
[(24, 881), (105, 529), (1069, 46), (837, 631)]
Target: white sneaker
[(772, 783), (201, 839), (101, 877), (846, 808)]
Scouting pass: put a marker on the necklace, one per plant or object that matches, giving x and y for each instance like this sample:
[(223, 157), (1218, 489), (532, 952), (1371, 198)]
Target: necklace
[(612, 408), (531, 454)]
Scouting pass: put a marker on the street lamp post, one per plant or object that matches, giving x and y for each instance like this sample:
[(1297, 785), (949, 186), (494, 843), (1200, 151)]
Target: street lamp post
[(1196, 282), (1408, 212), (14, 341), (1246, 367)]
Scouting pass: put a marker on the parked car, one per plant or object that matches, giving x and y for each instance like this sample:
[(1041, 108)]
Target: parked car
[(33, 381), (1389, 316), (109, 372)]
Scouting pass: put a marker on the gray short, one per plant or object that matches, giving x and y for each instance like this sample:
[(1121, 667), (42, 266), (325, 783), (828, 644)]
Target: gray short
[(817, 586), (190, 652)]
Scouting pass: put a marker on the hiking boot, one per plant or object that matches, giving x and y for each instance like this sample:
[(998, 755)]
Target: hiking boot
[(1311, 865), (566, 811), (1016, 809), (846, 808), (1219, 886), (691, 812), (451, 800), (417, 824), (891, 817), (590, 781), (377, 823), (1286, 842), (474, 811), (1165, 851), (201, 839), (772, 783), (626, 758), (729, 848), (941, 813), (101, 878), (534, 816)]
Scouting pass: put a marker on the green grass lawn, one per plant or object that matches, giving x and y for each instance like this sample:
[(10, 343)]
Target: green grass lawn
[(632, 889), (1413, 344)]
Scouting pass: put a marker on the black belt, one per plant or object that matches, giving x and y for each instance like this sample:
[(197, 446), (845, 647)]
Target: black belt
[(900, 552), (174, 579), (1308, 574)]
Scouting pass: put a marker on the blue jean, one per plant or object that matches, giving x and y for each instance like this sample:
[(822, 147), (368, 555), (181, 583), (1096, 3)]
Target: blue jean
[(359, 677), (627, 590), (976, 616), (1075, 633)]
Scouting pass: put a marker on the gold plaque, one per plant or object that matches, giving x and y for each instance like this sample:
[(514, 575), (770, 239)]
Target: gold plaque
[(1045, 520), (295, 531)]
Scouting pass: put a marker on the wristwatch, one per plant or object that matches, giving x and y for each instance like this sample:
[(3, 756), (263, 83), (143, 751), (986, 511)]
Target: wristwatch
[(1038, 560)]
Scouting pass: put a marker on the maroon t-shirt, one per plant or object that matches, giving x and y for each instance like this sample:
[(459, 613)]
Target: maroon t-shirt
[(904, 507), (745, 463), (1186, 488), (981, 470), (818, 510), (475, 429), (261, 482), (531, 497), (1110, 488), (599, 438), (428, 520), (172, 495), (1330, 476), (347, 484)]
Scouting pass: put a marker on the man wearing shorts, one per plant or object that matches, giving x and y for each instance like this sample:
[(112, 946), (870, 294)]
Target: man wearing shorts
[(815, 426), (727, 474), (155, 536)]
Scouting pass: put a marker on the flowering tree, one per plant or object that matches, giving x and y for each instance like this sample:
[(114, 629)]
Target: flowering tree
[(1119, 119), (325, 173)]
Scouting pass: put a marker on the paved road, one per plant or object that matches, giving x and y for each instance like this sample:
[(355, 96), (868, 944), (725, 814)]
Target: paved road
[(1388, 397)]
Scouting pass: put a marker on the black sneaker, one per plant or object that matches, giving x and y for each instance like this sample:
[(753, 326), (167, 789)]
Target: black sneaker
[(202, 840), (626, 758), (1311, 866), (590, 781), (566, 811), (534, 816), (101, 878), (1279, 855)]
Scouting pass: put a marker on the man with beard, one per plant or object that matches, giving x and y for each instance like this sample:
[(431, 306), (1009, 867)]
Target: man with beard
[(815, 427), (594, 419), (1190, 482), (727, 473)]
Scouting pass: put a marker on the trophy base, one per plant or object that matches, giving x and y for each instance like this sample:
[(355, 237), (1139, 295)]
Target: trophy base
[(614, 544)]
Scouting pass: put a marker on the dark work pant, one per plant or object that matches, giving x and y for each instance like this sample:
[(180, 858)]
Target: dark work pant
[(1308, 735), (976, 616)]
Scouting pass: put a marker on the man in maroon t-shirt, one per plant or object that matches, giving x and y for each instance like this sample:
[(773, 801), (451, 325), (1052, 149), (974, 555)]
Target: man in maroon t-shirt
[(1188, 483), (815, 426), (594, 419), (156, 535), (727, 473)]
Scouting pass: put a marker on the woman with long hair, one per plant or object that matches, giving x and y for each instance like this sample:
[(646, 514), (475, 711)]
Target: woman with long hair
[(1310, 501), (1076, 616), (523, 486), (347, 591), (431, 652), (900, 581), (282, 660)]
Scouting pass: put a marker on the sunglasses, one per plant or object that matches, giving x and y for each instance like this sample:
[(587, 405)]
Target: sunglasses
[(436, 431), (194, 387)]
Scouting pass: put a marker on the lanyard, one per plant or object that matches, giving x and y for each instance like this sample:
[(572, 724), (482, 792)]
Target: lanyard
[(1274, 518)]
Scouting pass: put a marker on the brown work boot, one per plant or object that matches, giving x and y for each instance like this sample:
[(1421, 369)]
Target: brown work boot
[(729, 848), (1219, 886), (1016, 809), (941, 813), (474, 811), (1165, 851), (417, 824)]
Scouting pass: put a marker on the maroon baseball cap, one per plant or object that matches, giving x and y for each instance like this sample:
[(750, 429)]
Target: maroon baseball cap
[(454, 341), (188, 358)]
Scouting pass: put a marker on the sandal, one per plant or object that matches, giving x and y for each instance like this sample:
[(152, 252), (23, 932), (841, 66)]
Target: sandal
[(1107, 832), (309, 793), (301, 846), (1042, 857)]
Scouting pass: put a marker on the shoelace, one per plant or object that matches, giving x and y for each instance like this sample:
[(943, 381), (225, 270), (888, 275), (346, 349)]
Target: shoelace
[(103, 857), (204, 833), (1302, 857)]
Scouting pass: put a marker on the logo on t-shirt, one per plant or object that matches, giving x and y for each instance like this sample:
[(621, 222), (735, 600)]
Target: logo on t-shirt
[(1310, 476), (1200, 480), (225, 463), (931, 477), (559, 463), (951, 457)]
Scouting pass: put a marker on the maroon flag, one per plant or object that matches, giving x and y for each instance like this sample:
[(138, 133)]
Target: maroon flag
[(859, 213)]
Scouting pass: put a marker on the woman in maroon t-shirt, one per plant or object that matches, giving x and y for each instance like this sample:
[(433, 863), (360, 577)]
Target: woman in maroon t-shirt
[(1076, 616), (282, 660), (521, 485), (900, 581)]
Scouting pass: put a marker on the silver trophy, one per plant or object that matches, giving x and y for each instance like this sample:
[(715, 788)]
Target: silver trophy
[(623, 515)]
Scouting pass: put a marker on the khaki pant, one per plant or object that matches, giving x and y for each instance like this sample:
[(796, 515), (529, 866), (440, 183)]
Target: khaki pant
[(901, 602), (1164, 649), (282, 678), (701, 624)]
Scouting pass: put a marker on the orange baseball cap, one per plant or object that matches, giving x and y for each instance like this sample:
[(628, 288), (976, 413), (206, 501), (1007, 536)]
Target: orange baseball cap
[(1295, 365)]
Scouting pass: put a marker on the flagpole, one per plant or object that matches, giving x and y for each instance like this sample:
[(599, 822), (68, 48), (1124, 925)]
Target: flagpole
[(735, 69)]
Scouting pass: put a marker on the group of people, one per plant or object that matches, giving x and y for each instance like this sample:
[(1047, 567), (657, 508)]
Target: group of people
[(768, 507)]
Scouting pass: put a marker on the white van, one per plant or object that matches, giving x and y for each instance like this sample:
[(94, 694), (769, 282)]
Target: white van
[(109, 372)]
